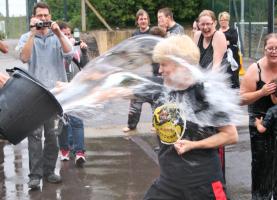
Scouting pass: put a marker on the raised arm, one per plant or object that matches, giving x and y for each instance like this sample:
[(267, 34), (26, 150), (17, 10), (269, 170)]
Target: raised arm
[(220, 48)]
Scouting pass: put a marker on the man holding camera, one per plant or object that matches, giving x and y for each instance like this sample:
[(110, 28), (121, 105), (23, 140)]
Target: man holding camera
[(45, 48)]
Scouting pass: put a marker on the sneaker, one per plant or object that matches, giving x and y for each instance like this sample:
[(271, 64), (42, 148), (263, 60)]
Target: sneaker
[(53, 178), (64, 154), (80, 158), (127, 129), (34, 183)]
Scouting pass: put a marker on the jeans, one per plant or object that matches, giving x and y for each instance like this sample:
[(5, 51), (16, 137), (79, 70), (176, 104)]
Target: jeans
[(72, 135), (42, 161)]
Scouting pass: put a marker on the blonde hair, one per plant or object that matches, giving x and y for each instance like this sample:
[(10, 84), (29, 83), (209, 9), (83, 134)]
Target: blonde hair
[(180, 46), (207, 13), (224, 14)]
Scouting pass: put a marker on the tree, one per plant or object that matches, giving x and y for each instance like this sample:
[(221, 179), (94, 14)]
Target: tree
[(121, 13)]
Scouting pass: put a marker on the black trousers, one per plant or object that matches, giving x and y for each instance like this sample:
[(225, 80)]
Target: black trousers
[(135, 111), (161, 190), (264, 165)]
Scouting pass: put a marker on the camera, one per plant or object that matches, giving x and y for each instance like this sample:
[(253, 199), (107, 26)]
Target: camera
[(77, 43), (42, 24)]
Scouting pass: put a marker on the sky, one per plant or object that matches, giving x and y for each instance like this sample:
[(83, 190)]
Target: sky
[(16, 7)]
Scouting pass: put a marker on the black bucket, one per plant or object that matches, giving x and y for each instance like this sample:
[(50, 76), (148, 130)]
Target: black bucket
[(25, 104)]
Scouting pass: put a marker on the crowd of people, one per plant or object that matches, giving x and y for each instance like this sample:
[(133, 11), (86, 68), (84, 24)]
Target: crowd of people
[(193, 167)]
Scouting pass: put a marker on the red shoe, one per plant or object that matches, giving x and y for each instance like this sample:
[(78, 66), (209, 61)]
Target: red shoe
[(80, 158), (64, 154)]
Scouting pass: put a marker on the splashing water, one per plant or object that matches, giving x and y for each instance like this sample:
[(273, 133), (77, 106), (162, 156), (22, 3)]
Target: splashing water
[(111, 76)]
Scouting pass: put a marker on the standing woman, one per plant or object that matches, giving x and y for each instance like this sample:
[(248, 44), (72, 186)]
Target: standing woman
[(213, 46), (212, 43), (256, 88), (232, 42)]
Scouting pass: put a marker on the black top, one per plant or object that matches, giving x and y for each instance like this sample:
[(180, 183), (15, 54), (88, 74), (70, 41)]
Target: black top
[(195, 167), (259, 107), (176, 29), (206, 55), (138, 32), (232, 36)]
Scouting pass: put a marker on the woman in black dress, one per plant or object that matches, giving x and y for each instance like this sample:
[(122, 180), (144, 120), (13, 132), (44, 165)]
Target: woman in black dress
[(232, 43)]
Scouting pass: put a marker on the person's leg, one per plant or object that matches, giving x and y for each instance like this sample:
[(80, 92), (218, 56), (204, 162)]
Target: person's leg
[(64, 142), (78, 139), (35, 158), (134, 114), (50, 152), (77, 126), (159, 190), (209, 191), (261, 165)]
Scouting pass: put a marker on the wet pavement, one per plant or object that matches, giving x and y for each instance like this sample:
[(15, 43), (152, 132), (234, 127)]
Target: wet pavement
[(116, 168), (119, 166)]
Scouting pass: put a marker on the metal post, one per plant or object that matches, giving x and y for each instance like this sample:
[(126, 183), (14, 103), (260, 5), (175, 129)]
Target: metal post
[(65, 10), (29, 9), (7, 27), (270, 16), (83, 14)]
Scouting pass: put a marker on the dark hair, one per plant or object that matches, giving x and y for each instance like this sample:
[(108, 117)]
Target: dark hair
[(167, 12), (63, 25), (268, 36), (40, 5), (158, 31), (140, 13)]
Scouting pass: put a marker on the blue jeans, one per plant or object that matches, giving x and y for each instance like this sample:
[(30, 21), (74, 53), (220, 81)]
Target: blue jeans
[(72, 135)]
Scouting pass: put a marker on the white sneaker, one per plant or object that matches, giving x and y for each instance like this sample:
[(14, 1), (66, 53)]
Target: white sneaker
[(64, 154)]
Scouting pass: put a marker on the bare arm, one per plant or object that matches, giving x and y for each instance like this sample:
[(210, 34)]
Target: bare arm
[(26, 51), (65, 43), (248, 91), (226, 135), (196, 37), (259, 125), (3, 47), (220, 48)]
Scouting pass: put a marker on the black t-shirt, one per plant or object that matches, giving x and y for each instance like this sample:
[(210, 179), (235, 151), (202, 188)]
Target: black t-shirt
[(196, 167), (270, 120)]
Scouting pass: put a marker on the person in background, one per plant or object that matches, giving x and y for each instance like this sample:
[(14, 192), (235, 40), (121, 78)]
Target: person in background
[(256, 89), (166, 21), (143, 23), (136, 104), (45, 49), (212, 45), (232, 44), (71, 137)]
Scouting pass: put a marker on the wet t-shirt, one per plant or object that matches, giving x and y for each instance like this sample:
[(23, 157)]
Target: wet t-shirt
[(196, 167), (270, 120)]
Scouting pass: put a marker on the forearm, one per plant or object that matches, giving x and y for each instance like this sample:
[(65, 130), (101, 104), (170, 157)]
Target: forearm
[(26, 51), (65, 44), (250, 97), (220, 139)]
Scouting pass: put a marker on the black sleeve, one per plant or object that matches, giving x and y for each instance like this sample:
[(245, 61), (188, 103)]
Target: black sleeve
[(84, 58), (270, 117)]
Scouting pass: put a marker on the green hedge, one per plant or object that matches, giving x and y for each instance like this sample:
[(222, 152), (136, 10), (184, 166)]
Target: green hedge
[(121, 13)]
